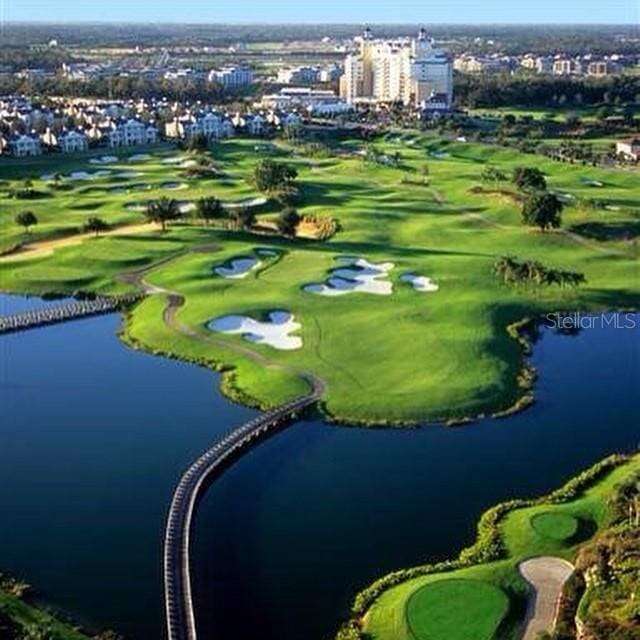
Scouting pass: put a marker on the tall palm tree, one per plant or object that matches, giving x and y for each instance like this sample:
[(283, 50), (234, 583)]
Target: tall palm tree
[(162, 211)]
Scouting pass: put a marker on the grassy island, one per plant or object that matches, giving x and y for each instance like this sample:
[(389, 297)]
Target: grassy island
[(400, 312)]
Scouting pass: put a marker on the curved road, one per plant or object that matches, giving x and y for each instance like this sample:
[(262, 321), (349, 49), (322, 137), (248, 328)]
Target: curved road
[(546, 575)]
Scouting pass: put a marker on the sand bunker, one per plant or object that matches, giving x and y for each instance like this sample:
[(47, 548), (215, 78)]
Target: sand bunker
[(128, 174), (420, 283), (267, 252), (439, 155), (104, 160), (139, 157), (273, 333), (237, 267), (359, 275), (173, 160), (84, 175), (590, 182), (140, 206), (173, 186), (186, 207), (249, 202)]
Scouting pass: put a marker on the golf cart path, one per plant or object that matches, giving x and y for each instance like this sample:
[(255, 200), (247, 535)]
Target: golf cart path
[(41, 248), (546, 575)]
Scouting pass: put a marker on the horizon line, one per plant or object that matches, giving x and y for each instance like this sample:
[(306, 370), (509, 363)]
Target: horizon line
[(28, 21)]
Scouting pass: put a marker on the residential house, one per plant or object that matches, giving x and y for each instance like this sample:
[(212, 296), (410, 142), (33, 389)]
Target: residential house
[(23, 145)]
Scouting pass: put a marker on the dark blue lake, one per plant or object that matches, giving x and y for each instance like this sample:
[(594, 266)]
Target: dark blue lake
[(95, 435)]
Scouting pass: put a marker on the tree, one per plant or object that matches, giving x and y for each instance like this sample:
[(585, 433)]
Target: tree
[(162, 211), (95, 225), (242, 218), (542, 210), (209, 208), (271, 176), (288, 221), (26, 219), (492, 174), (529, 178)]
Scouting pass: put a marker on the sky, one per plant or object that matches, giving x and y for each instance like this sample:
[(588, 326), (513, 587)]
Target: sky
[(335, 11)]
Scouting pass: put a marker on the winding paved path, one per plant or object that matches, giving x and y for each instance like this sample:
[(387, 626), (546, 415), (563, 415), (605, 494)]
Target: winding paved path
[(546, 575)]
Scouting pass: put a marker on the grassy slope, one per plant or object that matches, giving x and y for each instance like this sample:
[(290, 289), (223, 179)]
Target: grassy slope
[(28, 616), (386, 619), (402, 358)]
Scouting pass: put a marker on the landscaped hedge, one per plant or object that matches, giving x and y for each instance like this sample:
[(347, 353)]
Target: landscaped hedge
[(488, 547)]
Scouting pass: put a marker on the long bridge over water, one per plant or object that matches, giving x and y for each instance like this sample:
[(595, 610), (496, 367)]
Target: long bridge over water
[(64, 312), (180, 617)]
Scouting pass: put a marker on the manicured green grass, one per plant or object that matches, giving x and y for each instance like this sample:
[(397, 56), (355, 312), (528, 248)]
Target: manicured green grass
[(557, 526), (456, 610), (391, 615), (404, 358)]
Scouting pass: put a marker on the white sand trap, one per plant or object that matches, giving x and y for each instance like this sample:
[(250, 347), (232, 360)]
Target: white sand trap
[(590, 182), (173, 160), (564, 196), (187, 207), (47, 176), (185, 164), (439, 155), (612, 207), (364, 277), (266, 252), (420, 283), (80, 175), (237, 267), (128, 174), (104, 160), (139, 157), (136, 207), (274, 333), (174, 186), (84, 175), (250, 202)]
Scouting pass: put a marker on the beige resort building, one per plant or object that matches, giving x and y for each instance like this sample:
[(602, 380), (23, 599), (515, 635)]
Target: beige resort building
[(408, 70)]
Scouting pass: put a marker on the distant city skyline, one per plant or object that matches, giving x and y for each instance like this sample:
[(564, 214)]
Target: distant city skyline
[(329, 11)]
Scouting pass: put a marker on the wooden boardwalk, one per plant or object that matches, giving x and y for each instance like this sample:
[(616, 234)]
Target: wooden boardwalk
[(180, 617), (63, 313)]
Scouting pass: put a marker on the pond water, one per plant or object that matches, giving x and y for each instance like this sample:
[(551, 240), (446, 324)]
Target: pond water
[(95, 435)]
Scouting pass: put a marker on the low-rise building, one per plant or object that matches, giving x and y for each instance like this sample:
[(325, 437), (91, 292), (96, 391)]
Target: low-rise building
[(73, 141), (231, 76), (299, 75), (24, 145), (131, 133), (629, 148)]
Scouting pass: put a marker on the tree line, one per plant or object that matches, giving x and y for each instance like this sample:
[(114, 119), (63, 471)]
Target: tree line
[(501, 90)]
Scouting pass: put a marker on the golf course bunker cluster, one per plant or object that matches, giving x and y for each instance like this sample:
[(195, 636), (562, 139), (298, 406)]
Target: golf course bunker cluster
[(273, 332), (357, 274)]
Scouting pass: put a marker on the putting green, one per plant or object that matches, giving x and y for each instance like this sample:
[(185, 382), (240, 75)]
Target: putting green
[(557, 526), (456, 610)]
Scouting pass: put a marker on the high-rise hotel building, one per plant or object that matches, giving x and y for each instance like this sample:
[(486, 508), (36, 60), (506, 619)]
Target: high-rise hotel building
[(409, 70)]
